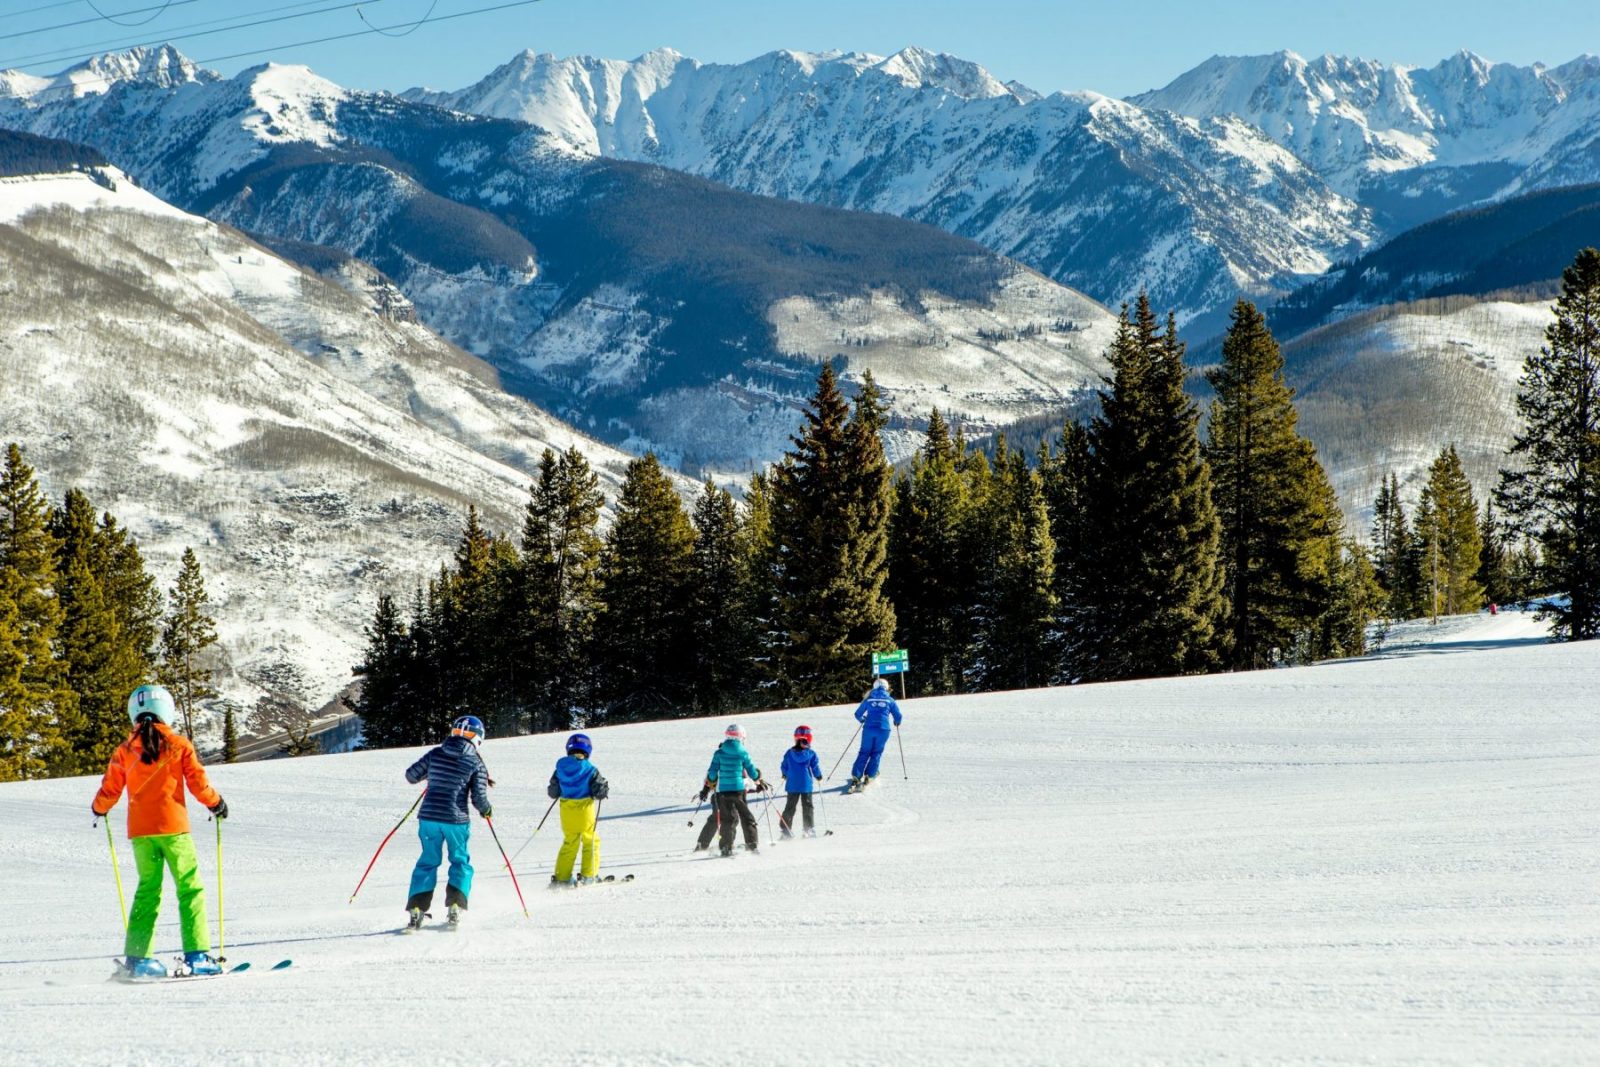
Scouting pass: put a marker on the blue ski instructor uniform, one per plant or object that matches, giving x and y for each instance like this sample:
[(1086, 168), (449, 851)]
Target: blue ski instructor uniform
[(877, 715)]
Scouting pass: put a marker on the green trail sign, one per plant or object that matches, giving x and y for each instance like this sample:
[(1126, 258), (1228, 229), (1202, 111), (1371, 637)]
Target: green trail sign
[(895, 662)]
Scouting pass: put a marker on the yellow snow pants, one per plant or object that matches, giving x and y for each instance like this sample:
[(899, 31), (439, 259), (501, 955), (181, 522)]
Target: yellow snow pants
[(578, 828)]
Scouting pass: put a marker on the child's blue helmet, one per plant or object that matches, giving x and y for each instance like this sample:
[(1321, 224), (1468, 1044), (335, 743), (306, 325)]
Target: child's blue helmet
[(468, 726), (579, 743), (152, 700)]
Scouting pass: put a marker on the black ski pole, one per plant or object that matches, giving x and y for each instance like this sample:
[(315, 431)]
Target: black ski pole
[(701, 802), (535, 833), (902, 745), (846, 751)]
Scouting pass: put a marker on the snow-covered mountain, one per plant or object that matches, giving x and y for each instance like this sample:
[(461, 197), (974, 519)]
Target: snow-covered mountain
[(654, 308), (312, 446), (1411, 143), (1101, 194)]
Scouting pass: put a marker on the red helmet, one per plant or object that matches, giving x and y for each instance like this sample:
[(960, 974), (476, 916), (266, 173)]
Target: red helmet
[(802, 733)]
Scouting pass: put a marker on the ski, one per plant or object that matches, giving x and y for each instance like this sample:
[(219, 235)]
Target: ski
[(121, 975)]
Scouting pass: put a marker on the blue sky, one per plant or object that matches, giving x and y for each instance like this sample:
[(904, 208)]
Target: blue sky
[(1111, 47)]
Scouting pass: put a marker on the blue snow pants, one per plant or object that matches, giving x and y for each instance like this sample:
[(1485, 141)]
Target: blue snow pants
[(873, 742), (435, 837)]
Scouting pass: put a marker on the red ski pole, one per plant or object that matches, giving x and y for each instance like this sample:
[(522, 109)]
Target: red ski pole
[(503, 856), (378, 853)]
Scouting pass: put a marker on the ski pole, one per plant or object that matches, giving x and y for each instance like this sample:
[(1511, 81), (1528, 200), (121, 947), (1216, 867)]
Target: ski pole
[(846, 751), (770, 835), (902, 745), (385, 841), (222, 937), (535, 833), (503, 856), (697, 808), (122, 902)]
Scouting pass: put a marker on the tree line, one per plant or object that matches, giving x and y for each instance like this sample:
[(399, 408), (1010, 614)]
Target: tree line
[(82, 624), (1128, 547)]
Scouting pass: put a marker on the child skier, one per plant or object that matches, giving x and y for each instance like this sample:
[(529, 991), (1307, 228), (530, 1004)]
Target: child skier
[(153, 765), (454, 771), (801, 771), (874, 715), (580, 787), (729, 765)]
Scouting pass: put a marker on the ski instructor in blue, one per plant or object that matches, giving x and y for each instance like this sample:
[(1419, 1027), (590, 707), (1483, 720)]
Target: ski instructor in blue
[(878, 714), (454, 773)]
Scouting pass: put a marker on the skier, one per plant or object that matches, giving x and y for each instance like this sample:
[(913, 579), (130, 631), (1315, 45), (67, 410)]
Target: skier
[(874, 715), (801, 770), (729, 765), (153, 765), (454, 771), (579, 785)]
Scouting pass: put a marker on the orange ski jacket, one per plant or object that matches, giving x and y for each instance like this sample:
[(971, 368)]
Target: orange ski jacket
[(155, 790)]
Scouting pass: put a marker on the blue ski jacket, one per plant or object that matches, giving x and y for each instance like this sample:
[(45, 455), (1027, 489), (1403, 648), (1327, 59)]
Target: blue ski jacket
[(454, 772), (729, 765), (576, 779), (876, 711), (801, 769)]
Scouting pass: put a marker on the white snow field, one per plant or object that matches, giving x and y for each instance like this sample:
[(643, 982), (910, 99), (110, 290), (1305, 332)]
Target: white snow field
[(1385, 861)]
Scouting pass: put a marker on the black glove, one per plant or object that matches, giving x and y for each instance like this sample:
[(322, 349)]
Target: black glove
[(489, 814), (220, 808), (599, 788), (553, 790), (705, 791)]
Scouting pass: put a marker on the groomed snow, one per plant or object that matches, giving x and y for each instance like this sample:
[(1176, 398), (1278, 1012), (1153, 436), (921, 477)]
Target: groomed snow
[(1384, 861)]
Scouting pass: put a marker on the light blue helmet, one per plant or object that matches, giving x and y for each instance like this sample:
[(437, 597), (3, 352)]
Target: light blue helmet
[(152, 700)]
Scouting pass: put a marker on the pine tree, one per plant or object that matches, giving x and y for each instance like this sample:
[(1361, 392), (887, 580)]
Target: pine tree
[(722, 632), (1393, 559), (930, 588), (560, 555), (189, 632), (109, 605), (1494, 559), (1064, 474), (1447, 526), (1153, 603), (1015, 602), (230, 735), (1357, 599), (642, 635), (830, 516), (1552, 493), (391, 713), (761, 567), (35, 703), (1280, 520)]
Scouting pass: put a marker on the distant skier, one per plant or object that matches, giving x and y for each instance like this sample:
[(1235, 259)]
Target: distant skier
[(153, 765), (801, 771), (454, 771), (877, 713), (579, 785), (729, 766)]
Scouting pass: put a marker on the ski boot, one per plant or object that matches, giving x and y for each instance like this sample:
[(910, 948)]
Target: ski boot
[(201, 963), (585, 879), (415, 922), (138, 968), (811, 833), (727, 850), (453, 917)]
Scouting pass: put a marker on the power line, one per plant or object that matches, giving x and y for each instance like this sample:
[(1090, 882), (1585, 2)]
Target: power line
[(36, 10), (135, 11), (409, 30), (117, 44), (157, 8), (301, 44)]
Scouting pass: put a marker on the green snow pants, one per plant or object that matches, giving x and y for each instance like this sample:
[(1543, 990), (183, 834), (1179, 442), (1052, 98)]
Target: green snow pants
[(150, 854)]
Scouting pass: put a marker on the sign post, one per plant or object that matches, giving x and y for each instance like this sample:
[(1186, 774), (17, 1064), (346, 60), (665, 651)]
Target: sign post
[(893, 662)]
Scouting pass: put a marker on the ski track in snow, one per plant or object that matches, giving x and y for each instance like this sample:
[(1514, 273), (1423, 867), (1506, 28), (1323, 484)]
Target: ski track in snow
[(1392, 860)]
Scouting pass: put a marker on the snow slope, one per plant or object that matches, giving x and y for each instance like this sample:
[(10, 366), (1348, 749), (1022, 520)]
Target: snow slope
[(1361, 862), (210, 394)]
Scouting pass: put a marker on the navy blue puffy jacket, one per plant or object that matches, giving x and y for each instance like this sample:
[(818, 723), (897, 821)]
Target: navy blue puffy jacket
[(453, 771)]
